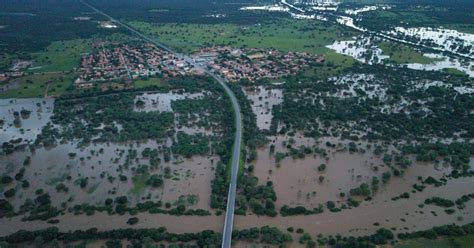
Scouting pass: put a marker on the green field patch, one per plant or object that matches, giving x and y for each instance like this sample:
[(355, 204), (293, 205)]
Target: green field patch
[(334, 64), (448, 242), (143, 83), (6, 61), (93, 188), (455, 71), (139, 184), (61, 56), (55, 180), (463, 28), (401, 54), (284, 35), (39, 85)]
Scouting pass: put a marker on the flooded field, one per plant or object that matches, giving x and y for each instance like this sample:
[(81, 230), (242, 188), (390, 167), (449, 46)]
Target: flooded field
[(103, 221), (162, 101), (262, 100), (362, 50), (366, 51), (296, 182), (102, 165), (447, 39), (355, 83), (402, 215), (444, 63), (75, 174), (24, 118)]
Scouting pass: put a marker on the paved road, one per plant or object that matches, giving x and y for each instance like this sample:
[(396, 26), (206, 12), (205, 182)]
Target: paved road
[(229, 217)]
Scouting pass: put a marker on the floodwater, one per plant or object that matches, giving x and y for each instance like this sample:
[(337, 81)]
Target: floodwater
[(162, 101), (364, 50), (403, 215), (444, 38), (459, 89), (366, 9), (361, 49), (296, 182), (275, 7), (356, 81), (344, 171), (30, 125), (444, 63), (262, 101), (98, 162), (102, 164), (103, 221)]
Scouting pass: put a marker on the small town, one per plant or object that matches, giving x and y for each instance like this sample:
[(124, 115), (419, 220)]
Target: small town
[(254, 64), (237, 124), (128, 62)]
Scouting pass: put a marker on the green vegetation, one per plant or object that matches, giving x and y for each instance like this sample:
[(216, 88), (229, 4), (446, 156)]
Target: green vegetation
[(455, 72), (300, 210), (6, 61), (401, 54), (201, 239), (447, 234), (121, 206), (81, 113), (61, 56), (451, 242), (440, 202), (265, 235), (147, 82), (433, 15), (334, 64), (284, 35), (39, 85), (318, 110), (139, 184), (189, 145), (464, 28)]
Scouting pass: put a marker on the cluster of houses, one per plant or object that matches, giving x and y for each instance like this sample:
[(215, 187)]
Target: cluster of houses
[(16, 70), (254, 64), (128, 62)]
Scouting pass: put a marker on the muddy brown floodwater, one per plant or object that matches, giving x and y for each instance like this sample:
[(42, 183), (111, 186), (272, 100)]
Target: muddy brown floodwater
[(262, 101), (295, 180), (30, 125), (52, 166)]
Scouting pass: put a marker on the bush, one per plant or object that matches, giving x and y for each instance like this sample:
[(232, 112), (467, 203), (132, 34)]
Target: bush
[(9, 193), (155, 181), (7, 179), (132, 221), (440, 202)]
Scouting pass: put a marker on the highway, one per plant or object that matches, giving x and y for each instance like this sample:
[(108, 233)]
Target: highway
[(229, 215)]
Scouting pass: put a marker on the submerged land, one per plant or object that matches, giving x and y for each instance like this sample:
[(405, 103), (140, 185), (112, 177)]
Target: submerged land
[(358, 124)]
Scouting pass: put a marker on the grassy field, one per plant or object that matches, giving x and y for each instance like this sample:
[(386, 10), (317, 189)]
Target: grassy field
[(6, 60), (141, 83), (455, 242), (139, 184), (61, 56), (401, 54), (39, 85), (284, 35), (335, 64), (455, 71), (464, 28)]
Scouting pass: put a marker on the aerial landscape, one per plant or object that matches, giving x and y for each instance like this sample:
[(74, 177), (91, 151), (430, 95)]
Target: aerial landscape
[(252, 123)]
